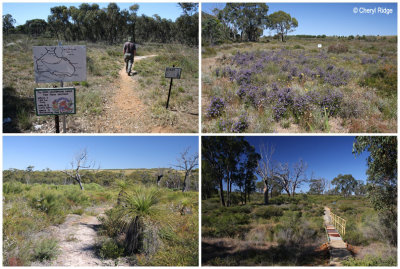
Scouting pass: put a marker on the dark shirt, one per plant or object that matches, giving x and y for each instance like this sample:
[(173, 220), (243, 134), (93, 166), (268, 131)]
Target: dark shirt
[(129, 47)]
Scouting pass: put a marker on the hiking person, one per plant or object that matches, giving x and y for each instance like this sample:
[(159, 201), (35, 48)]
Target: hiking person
[(129, 54)]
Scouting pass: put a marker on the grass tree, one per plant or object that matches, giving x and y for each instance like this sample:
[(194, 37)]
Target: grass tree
[(138, 206), (121, 186)]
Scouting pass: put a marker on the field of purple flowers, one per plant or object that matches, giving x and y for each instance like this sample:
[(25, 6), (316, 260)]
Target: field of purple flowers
[(345, 86)]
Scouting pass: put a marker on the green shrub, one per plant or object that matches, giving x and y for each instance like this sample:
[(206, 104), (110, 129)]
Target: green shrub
[(85, 84), (77, 197), (245, 209), (45, 249), (112, 224), (355, 237), (278, 200), (94, 187), (345, 208), (110, 250), (370, 261), (383, 79), (225, 225), (268, 212), (208, 52), (13, 187), (50, 203), (78, 211)]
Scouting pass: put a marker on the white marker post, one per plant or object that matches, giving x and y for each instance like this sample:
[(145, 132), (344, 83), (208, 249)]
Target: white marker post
[(172, 72)]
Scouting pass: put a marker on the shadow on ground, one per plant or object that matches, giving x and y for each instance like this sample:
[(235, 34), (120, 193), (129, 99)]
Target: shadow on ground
[(218, 253), (17, 109)]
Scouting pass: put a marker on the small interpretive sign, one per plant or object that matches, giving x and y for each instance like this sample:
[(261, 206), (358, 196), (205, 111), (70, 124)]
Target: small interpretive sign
[(173, 72), (55, 101)]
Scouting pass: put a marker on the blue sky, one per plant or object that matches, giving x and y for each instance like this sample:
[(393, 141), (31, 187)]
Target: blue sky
[(333, 18), (22, 12), (56, 152), (326, 156)]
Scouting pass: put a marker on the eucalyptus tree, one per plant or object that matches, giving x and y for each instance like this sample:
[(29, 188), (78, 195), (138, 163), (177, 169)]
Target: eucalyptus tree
[(247, 18), (282, 23)]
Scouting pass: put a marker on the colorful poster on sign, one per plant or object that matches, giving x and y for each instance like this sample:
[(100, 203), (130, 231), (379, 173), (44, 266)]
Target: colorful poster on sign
[(55, 101)]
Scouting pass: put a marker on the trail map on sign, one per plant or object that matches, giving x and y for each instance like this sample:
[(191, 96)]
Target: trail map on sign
[(59, 63)]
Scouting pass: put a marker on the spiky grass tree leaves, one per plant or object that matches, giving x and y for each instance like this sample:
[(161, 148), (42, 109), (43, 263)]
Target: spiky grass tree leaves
[(140, 207)]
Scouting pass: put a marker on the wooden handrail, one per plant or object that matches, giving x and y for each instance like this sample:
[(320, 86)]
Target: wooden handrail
[(339, 223)]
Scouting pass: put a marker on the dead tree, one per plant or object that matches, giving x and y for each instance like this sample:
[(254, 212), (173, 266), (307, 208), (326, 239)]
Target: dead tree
[(265, 169), (291, 179), (80, 161), (187, 164)]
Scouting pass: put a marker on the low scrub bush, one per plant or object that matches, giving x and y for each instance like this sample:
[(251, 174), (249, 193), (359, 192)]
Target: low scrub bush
[(209, 52), (45, 249), (383, 79), (77, 197), (370, 261), (13, 187), (268, 212), (110, 250), (113, 223), (338, 48), (225, 225), (51, 203)]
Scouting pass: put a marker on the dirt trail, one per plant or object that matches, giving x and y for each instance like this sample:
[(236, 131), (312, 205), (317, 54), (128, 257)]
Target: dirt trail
[(76, 240), (125, 112)]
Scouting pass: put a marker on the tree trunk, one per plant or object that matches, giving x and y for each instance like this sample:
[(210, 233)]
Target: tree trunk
[(78, 179), (134, 236), (266, 191), (228, 203), (185, 182), (221, 193)]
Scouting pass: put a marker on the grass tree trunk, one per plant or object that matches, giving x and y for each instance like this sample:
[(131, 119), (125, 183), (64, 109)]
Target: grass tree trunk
[(134, 236)]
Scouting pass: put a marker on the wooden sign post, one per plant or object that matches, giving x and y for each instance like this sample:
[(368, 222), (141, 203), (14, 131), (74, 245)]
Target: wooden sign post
[(172, 72)]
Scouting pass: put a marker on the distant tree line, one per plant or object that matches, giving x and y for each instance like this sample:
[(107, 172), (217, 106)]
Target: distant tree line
[(171, 178), (111, 24), (245, 22)]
